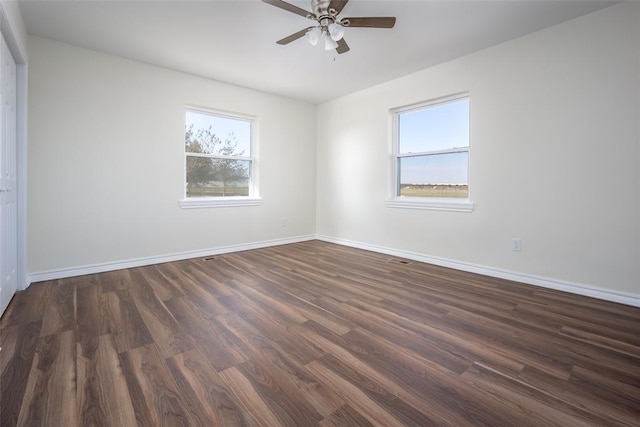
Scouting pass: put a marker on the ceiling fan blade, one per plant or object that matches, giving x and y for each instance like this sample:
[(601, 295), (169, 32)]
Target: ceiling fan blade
[(342, 46), (338, 5), (294, 36), (288, 7), (381, 22)]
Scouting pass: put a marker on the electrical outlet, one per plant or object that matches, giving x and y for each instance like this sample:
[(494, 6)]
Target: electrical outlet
[(516, 244), (284, 222)]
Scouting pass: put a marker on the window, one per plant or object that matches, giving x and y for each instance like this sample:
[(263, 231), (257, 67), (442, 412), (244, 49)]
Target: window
[(220, 162), (431, 155)]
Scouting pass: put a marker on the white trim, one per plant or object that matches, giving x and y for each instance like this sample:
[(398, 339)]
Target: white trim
[(453, 150), (217, 202), (544, 282), (220, 157), (12, 28), (434, 101), (21, 152), (530, 279), (220, 113), (139, 262), (452, 205), (431, 203), (253, 159)]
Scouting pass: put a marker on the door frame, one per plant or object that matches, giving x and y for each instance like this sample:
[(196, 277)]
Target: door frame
[(14, 33)]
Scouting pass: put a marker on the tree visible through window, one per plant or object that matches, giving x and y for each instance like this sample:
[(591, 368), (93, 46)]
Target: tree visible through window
[(432, 149), (218, 155)]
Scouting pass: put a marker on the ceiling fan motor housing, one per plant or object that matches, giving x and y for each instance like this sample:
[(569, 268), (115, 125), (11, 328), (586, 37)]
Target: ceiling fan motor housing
[(324, 15), (320, 7)]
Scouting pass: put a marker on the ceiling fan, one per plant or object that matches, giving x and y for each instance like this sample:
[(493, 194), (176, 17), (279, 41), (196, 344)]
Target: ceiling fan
[(329, 23)]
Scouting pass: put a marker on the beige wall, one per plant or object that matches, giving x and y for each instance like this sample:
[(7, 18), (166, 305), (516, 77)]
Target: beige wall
[(555, 157), (106, 162), (555, 160)]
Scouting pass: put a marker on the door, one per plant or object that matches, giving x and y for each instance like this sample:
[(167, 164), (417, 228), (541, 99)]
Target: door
[(8, 187)]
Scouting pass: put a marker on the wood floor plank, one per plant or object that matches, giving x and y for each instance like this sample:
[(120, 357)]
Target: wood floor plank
[(629, 335), (424, 378), (617, 392), (204, 392), (219, 347), (225, 269), (27, 306), (615, 345), (284, 367), (299, 309), (206, 302), (279, 392), (376, 387), (275, 330), (88, 313), (359, 315), (102, 394), (309, 334), (248, 398), (59, 315), (9, 340), (173, 273), (352, 394), (19, 343), (520, 394), (154, 395), (167, 334), (122, 320), (280, 303), (438, 331), (527, 352), (336, 286), (559, 354), (338, 346), (112, 281), (163, 288), (211, 275), (577, 396), (50, 395), (345, 416)]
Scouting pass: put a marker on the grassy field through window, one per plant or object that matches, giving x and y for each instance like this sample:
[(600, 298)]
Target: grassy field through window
[(216, 191), (434, 190)]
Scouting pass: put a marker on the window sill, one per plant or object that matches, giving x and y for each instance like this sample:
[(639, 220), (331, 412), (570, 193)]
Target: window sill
[(433, 204), (218, 202)]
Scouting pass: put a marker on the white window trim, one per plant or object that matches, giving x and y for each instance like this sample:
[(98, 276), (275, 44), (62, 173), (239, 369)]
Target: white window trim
[(253, 199), (427, 203), (431, 203), (218, 202)]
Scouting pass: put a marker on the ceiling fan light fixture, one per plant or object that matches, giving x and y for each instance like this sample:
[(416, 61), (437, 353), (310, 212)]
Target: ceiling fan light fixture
[(313, 35), (329, 43), (328, 23), (336, 31)]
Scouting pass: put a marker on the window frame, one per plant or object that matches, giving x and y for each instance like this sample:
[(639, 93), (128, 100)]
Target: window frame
[(430, 203), (253, 198)]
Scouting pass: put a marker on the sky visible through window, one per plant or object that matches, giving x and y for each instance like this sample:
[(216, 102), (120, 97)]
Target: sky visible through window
[(436, 127), (223, 127)]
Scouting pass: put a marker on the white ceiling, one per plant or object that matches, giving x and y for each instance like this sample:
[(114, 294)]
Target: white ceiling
[(234, 41)]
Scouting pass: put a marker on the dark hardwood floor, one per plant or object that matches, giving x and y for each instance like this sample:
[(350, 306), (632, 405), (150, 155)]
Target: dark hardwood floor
[(314, 334)]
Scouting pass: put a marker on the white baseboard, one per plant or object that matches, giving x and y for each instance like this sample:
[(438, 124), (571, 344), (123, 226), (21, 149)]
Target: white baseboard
[(139, 262), (545, 282)]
